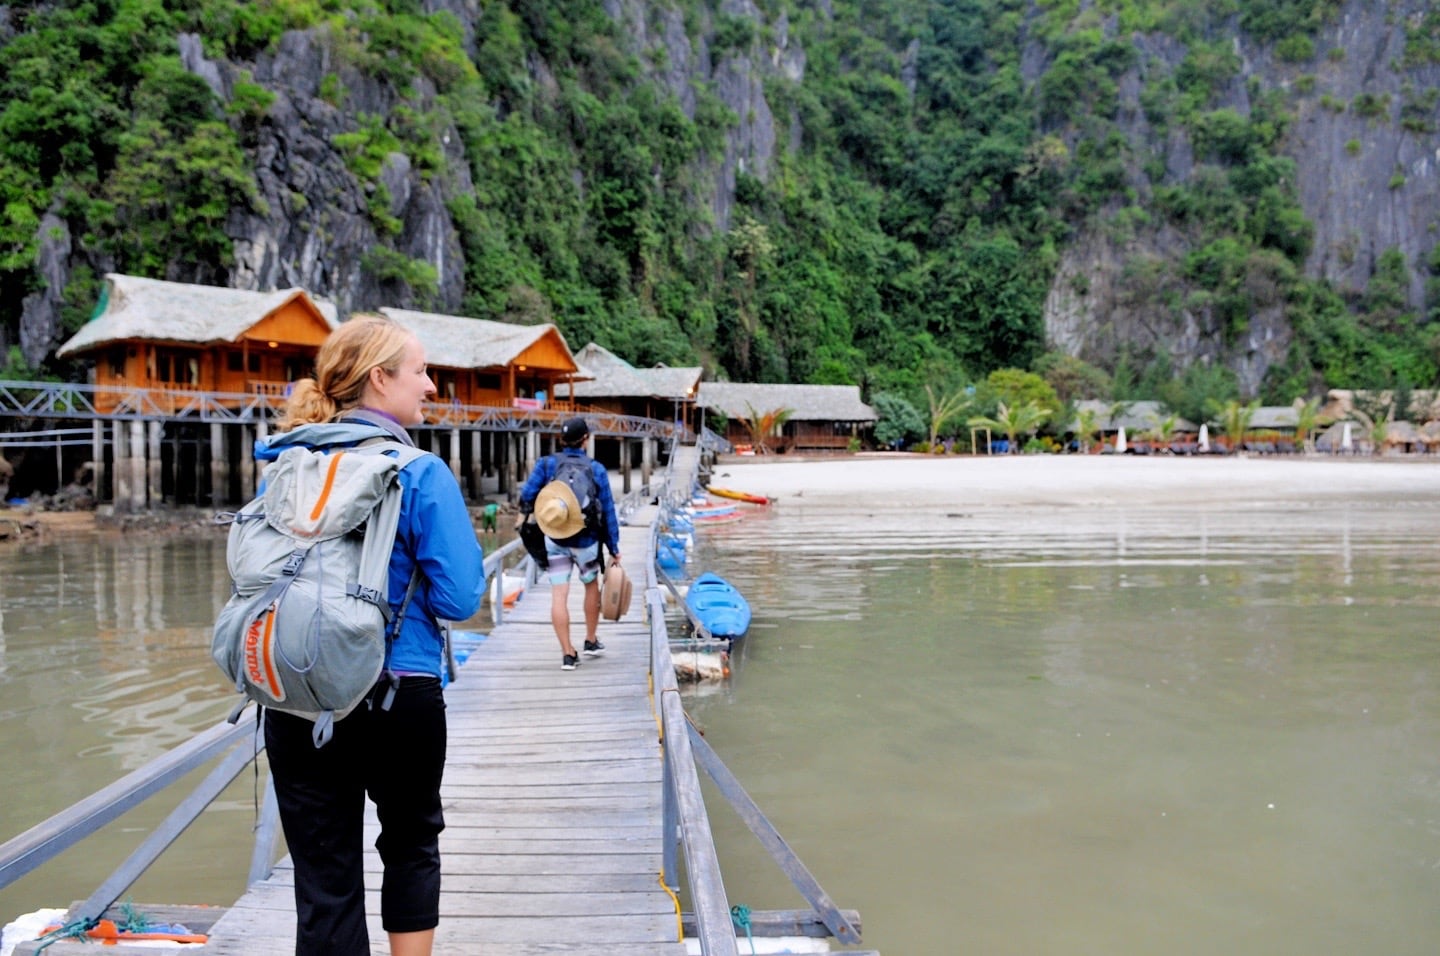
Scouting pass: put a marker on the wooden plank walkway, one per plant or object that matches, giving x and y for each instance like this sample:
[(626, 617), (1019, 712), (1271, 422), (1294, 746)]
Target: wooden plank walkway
[(552, 800)]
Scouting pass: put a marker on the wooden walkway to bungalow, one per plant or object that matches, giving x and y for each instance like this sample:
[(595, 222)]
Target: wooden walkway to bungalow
[(552, 800)]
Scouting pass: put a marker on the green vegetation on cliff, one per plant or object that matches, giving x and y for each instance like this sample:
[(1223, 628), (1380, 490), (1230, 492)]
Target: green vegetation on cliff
[(948, 151)]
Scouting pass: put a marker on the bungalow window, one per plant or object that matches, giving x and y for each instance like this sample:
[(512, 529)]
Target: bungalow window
[(116, 359), (487, 382), (180, 368), (297, 368), (235, 362)]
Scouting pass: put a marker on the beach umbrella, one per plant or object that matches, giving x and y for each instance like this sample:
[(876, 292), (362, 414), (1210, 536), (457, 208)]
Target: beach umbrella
[(1204, 444), (1346, 443), (1120, 439)]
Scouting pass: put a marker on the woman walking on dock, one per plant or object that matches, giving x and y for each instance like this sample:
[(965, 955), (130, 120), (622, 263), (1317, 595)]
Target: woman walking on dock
[(371, 373)]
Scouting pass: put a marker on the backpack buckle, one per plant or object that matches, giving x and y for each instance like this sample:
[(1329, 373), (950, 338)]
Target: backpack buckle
[(292, 563), (367, 594)]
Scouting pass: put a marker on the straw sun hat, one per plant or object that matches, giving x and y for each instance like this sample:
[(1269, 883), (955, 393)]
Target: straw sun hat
[(557, 511)]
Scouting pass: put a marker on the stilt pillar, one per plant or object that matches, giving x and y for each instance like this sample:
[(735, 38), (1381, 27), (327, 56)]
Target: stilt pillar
[(248, 473), (455, 453), (137, 465), (511, 449), (155, 461), (477, 449), (119, 438), (97, 459), (219, 465)]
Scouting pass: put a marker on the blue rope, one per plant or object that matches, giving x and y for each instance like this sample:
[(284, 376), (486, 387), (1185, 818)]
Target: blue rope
[(740, 913), (72, 930)]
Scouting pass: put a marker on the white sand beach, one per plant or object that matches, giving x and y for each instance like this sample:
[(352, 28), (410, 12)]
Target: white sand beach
[(1116, 481)]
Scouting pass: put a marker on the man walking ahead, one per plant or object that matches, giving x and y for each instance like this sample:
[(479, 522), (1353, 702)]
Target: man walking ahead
[(569, 494)]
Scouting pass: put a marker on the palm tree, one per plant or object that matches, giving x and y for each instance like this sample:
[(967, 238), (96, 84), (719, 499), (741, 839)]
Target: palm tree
[(1087, 423), (1011, 422), (1307, 418), (763, 425), (1233, 419), (1164, 430), (944, 407), (1379, 431)]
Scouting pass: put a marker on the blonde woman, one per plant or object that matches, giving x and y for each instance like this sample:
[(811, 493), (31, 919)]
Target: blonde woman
[(370, 382)]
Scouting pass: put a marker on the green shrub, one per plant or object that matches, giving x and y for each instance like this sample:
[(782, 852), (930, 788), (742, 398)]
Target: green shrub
[(389, 265), (1371, 105), (249, 102), (1417, 110), (1295, 48), (733, 34)]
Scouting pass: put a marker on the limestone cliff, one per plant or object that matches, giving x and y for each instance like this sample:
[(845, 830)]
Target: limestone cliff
[(1366, 182)]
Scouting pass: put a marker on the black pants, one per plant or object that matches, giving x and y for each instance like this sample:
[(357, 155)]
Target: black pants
[(395, 756)]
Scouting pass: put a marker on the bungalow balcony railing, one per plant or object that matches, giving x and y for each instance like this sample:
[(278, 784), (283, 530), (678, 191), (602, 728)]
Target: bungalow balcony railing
[(65, 400)]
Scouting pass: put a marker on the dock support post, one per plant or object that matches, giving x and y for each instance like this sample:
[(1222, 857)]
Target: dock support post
[(137, 465), (511, 449), (477, 464), (247, 463), (647, 460), (455, 453), (219, 465), (118, 431), (97, 458), (624, 466), (156, 463), (262, 432)]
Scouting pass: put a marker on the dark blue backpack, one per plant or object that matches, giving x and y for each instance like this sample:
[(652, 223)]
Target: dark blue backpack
[(577, 472)]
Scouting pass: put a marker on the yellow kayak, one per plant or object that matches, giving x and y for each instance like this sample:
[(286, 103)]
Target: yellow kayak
[(738, 495)]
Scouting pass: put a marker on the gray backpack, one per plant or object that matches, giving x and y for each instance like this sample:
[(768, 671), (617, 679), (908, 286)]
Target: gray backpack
[(308, 627)]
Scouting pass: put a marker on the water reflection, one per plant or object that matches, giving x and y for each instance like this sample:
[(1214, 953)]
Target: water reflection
[(104, 664), (109, 632)]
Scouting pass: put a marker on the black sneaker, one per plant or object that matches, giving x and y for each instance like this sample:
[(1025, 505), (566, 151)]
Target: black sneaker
[(569, 662), (593, 649)]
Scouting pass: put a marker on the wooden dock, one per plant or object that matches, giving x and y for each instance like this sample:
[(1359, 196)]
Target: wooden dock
[(552, 793)]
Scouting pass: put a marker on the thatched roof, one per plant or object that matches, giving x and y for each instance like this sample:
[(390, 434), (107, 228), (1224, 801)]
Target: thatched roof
[(613, 377), (1402, 433), (681, 382), (1332, 438), (134, 308), (1137, 416), (1275, 417), (456, 341), (832, 403)]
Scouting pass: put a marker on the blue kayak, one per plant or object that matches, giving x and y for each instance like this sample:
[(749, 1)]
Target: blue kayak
[(718, 605)]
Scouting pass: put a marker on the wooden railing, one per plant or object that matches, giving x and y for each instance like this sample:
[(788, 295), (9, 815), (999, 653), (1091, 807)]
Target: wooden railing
[(114, 402), (683, 812)]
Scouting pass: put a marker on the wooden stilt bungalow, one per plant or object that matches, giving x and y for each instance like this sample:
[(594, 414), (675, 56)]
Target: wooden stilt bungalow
[(477, 362), (662, 392), (818, 417), (175, 338)]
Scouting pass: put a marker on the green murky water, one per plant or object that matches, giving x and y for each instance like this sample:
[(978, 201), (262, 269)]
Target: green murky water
[(1013, 731), (1069, 731)]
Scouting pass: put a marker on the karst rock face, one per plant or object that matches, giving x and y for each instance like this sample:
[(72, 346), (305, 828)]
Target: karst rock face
[(314, 225), (1366, 183)]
